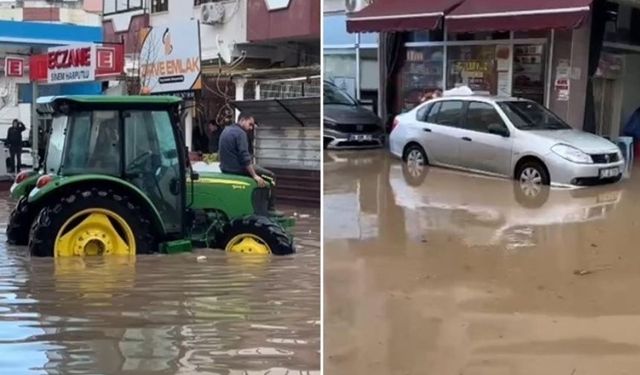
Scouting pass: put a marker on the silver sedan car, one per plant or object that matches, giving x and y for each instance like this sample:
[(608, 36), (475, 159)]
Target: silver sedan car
[(506, 137)]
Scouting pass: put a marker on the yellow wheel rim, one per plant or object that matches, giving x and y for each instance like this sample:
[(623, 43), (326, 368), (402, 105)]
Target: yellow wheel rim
[(92, 232), (248, 243)]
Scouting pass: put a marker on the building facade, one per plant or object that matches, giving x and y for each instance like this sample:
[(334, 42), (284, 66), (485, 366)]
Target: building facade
[(574, 56), (350, 59)]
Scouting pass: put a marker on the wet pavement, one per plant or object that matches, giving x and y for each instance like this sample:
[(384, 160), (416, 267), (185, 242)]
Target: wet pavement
[(163, 314), (447, 273)]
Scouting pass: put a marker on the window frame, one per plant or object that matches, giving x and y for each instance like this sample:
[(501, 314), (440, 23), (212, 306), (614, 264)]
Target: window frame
[(128, 9), (156, 10)]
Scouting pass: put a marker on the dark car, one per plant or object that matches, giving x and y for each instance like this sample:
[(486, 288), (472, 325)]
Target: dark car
[(347, 124)]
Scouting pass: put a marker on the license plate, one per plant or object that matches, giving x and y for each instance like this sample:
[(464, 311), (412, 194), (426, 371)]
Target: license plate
[(360, 137), (609, 172)]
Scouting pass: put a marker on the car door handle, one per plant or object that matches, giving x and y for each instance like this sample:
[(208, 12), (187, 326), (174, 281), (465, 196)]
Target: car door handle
[(466, 139), (427, 130)]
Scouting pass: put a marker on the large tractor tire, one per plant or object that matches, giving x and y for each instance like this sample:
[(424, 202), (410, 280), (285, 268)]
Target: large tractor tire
[(257, 235), (91, 222), (19, 223)]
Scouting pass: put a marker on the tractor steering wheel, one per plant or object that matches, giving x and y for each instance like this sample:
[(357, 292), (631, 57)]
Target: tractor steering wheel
[(139, 160)]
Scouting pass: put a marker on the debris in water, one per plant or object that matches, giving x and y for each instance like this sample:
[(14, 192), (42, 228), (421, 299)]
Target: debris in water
[(589, 272), (594, 245), (305, 216), (201, 258)]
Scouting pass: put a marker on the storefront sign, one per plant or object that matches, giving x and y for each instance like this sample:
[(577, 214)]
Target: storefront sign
[(563, 80), (105, 62), (14, 67), (170, 59), (74, 63)]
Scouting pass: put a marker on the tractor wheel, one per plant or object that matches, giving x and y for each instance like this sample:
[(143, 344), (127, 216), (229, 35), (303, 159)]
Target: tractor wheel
[(19, 223), (257, 235), (91, 222)]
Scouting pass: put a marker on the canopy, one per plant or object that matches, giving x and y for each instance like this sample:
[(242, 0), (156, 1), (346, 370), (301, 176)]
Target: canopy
[(510, 15), (406, 15)]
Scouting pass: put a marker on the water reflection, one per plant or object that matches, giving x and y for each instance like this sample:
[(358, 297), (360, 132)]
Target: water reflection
[(461, 274), (224, 314), (368, 188)]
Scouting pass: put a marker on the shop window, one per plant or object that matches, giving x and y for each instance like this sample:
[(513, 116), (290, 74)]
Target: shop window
[(422, 70), (159, 6), (479, 36), (476, 67), (340, 68), (529, 62), (425, 36)]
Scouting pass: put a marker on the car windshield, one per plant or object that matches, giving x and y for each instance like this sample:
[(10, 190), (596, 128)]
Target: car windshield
[(526, 115), (333, 95)]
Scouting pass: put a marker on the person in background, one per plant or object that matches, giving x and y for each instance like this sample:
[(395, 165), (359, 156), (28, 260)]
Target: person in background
[(14, 142), (213, 132), (235, 157)]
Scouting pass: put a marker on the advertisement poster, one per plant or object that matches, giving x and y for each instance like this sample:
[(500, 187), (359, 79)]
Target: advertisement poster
[(562, 81), (72, 63), (503, 58), (169, 60)]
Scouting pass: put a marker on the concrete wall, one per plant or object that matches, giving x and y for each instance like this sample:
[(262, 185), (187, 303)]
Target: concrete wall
[(214, 38)]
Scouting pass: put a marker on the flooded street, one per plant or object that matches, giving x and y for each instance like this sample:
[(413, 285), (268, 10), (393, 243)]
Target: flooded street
[(441, 272), (162, 314)]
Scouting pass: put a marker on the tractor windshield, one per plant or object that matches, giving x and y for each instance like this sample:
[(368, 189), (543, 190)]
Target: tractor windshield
[(56, 144), (93, 144)]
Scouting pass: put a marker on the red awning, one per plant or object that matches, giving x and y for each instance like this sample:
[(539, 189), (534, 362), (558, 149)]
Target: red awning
[(405, 15), (512, 15)]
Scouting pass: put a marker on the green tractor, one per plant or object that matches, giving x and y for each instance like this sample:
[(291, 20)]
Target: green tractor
[(117, 181)]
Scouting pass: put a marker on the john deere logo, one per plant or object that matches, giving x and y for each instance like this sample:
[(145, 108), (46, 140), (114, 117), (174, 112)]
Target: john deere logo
[(277, 4)]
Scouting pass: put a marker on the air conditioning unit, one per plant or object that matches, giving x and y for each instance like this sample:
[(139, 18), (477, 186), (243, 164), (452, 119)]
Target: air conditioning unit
[(212, 13), (356, 5)]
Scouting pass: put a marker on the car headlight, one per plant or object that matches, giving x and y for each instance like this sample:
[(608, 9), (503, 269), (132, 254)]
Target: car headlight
[(572, 154), (329, 123)]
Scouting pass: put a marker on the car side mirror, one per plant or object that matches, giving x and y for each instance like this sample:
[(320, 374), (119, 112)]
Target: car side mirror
[(500, 130)]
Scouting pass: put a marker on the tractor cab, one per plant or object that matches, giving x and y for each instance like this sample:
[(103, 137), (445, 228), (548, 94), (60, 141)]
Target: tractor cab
[(116, 180)]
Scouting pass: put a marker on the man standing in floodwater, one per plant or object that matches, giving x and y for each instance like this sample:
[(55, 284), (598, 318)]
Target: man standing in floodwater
[(234, 155), (14, 142)]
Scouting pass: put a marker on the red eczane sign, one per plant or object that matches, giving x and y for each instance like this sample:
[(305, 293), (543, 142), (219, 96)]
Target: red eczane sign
[(68, 58), (13, 67), (109, 62)]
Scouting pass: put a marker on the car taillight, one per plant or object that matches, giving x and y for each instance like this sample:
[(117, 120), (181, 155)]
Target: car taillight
[(22, 176), (43, 181), (395, 124)]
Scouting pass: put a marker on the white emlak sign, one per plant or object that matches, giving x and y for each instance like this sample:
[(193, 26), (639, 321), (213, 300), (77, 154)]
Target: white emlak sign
[(170, 58), (72, 63)]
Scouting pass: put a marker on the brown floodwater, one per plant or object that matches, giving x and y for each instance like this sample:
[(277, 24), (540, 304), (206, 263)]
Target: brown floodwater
[(445, 273), (163, 314)]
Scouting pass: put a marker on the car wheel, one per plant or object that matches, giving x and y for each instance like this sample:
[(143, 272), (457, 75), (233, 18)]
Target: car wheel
[(533, 172)]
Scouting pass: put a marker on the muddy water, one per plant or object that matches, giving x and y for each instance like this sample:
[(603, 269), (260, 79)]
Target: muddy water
[(440, 272), (162, 314)]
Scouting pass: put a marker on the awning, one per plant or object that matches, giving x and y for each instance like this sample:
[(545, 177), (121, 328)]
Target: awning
[(283, 112), (510, 15), (394, 15)]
